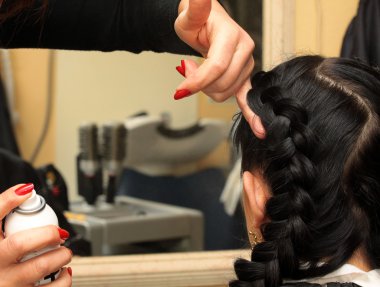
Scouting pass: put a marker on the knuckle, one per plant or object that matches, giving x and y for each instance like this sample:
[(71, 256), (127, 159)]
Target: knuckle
[(219, 97), (222, 86), (215, 95), (51, 234), (68, 255), (251, 45), (218, 100), (247, 46), (219, 66), (16, 244), (248, 42), (41, 267)]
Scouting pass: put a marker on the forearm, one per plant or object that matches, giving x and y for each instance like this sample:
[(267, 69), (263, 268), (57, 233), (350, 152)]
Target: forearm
[(104, 25)]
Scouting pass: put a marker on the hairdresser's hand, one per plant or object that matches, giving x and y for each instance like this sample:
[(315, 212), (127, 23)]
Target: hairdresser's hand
[(13, 248), (226, 47)]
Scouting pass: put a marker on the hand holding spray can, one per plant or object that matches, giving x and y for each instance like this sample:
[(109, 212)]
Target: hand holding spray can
[(34, 212)]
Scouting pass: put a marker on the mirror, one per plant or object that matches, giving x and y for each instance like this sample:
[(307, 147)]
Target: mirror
[(103, 87)]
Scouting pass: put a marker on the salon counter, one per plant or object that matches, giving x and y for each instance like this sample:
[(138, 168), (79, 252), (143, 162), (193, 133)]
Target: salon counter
[(195, 269)]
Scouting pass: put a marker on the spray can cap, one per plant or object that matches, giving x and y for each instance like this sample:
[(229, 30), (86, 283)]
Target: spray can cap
[(33, 204)]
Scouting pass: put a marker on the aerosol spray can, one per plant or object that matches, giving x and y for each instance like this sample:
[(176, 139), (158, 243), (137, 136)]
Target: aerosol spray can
[(34, 212)]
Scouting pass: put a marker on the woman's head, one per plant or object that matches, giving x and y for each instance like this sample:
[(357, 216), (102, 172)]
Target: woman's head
[(311, 183)]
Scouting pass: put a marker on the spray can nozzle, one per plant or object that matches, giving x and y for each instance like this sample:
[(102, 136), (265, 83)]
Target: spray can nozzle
[(33, 204)]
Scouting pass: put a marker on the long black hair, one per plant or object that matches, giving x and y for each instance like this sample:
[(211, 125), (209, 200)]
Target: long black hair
[(321, 160)]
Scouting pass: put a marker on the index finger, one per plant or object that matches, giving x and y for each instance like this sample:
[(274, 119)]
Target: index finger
[(13, 197)]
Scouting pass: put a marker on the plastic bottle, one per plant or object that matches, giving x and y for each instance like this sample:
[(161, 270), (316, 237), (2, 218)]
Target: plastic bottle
[(34, 212)]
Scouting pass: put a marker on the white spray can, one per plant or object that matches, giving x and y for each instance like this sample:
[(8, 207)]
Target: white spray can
[(34, 212)]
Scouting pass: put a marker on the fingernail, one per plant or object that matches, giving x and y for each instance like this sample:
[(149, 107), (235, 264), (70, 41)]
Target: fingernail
[(180, 94), (63, 233), (24, 189), (182, 69), (70, 271)]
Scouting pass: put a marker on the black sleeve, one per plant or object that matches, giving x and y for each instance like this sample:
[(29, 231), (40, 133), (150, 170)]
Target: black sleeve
[(103, 25)]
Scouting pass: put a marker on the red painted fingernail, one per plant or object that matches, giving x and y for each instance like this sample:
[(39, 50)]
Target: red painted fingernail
[(70, 271), (180, 70), (63, 233), (180, 94), (24, 189)]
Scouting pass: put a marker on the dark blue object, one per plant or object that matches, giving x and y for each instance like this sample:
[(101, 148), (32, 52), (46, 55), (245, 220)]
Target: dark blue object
[(201, 191)]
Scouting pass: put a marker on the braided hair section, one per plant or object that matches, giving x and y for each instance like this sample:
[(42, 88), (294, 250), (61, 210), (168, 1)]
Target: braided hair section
[(321, 122), (286, 152)]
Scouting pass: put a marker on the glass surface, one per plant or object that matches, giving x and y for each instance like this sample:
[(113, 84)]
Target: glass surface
[(98, 88)]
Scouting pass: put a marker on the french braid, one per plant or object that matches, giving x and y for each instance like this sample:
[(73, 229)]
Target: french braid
[(290, 173), (312, 220)]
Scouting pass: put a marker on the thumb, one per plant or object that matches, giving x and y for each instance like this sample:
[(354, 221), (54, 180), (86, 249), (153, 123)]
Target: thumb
[(197, 13)]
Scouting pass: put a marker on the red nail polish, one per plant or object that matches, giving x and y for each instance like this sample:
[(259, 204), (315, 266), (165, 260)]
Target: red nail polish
[(70, 271), (24, 189), (180, 94), (63, 233), (180, 70)]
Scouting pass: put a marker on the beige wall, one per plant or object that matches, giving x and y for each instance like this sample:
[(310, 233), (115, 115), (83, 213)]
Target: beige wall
[(90, 86), (30, 76), (321, 24), (100, 87)]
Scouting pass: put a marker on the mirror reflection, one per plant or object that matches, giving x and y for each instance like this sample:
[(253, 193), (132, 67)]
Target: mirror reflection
[(170, 153)]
